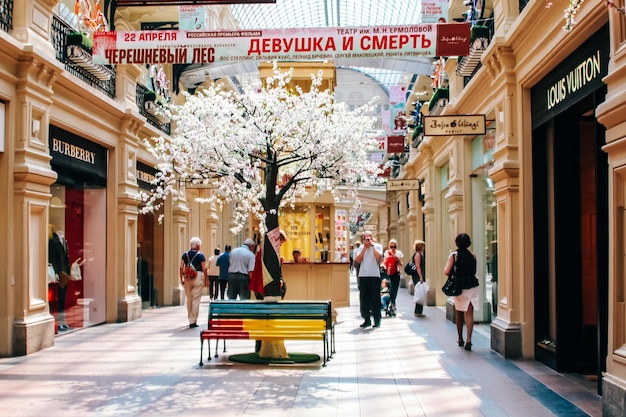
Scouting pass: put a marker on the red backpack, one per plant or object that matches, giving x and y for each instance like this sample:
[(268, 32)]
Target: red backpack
[(189, 271), (391, 264)]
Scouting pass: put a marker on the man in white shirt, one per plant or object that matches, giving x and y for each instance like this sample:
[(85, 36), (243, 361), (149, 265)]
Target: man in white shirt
[(214, 273), (369, 257)]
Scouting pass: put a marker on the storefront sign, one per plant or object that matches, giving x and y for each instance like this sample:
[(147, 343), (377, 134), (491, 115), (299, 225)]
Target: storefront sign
[(73, 152), (190, 47), (145, 176), (402, 185), (578, 76), (454, 125), (395, 144)]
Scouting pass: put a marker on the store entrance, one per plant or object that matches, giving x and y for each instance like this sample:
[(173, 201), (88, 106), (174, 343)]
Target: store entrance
[(570, 181)]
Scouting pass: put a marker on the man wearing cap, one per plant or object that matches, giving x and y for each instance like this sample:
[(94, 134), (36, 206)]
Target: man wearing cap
[(241, 265), (297, 256)]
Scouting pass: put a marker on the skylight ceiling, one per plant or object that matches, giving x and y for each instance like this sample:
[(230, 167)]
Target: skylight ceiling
[(342, 13)]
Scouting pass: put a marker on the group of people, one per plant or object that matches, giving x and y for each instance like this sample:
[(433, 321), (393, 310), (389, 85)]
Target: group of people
[(236, 273), (372, 263)]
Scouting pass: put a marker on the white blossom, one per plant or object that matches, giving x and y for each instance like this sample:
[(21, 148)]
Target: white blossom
[(264, 146)]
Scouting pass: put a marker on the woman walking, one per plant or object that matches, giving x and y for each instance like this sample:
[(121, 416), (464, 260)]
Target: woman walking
[(420, 272), (465, 275)]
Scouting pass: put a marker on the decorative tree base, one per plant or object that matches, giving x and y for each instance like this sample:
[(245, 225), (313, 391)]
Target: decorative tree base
[(273, 349), (292, 358)]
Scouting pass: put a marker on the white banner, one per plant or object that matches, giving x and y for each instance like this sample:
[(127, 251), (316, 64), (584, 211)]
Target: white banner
[(188, 47)]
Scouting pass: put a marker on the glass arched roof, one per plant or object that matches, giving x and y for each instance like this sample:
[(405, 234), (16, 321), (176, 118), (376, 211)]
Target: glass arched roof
[(342, 13), (327, 13)]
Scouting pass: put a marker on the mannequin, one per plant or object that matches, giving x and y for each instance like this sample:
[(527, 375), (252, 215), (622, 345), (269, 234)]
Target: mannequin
[(59, 258)]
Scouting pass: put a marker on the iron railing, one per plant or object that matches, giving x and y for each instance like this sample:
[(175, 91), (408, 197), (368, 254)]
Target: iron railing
[(6, 15), (60, 30), (140, 99)]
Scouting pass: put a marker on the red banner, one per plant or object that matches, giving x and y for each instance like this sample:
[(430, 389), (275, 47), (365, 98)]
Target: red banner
[(395, 144)]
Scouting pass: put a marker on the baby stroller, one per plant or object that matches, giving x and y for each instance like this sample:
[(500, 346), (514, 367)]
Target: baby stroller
[(385, 300), (390, 310)]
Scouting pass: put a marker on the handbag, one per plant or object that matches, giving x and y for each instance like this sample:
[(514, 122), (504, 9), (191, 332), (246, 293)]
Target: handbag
[(75, 274), (64, 278), (450, 288), (410, 268), (52, 276)]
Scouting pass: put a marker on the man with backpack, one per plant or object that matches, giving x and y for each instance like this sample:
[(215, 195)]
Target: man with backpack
[(192, 273)]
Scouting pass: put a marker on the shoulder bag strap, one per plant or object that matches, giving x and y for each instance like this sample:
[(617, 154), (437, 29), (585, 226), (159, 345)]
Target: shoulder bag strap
[(194, 257)]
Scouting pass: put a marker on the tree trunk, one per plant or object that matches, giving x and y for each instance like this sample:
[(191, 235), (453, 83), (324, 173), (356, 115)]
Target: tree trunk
[(271, 261), (274, 349), (271, 258)]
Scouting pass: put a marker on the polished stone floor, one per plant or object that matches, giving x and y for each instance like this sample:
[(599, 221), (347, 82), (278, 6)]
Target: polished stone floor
[(408, 367)]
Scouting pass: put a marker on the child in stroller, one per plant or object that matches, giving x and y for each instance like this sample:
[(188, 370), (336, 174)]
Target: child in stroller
[(385, 299)]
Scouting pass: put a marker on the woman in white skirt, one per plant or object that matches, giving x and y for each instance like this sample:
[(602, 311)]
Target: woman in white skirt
[(467, 302)]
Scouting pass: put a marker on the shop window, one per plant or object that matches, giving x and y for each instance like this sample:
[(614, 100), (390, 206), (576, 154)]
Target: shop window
[(77, 237)]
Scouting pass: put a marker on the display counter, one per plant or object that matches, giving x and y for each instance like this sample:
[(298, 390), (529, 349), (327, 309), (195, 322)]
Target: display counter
[(318, 281)]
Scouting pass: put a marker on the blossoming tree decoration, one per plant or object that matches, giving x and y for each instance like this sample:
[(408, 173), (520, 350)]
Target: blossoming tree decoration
[(263, 147)]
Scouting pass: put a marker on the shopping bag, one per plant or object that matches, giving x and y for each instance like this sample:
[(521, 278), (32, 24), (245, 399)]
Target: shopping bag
[(419, 296)]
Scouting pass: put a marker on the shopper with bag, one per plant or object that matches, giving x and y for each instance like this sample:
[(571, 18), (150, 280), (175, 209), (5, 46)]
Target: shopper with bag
[(392, 262), (192, 271), (419, 278), (465, 276)]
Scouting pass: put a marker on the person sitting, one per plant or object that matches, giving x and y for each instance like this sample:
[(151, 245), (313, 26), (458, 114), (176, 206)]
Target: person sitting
[(385, 298)]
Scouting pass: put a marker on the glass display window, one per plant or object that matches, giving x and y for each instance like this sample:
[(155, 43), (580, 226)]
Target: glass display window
[(77, 247), (296, 223), (77, 231)]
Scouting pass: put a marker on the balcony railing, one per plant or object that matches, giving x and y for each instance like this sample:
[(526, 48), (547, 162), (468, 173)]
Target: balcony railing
[(438, 101), (60, 32), (142, 99), (480, 37), (6, 15)]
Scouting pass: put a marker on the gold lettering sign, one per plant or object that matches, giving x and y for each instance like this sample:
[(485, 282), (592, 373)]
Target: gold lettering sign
[(145, 177), (73, 151)]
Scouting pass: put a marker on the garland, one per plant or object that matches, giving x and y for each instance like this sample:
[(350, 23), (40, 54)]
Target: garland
[(611, 5), (574, 6)]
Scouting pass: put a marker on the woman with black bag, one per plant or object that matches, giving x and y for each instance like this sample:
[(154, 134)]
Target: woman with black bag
[(465, 276), (419, 276)]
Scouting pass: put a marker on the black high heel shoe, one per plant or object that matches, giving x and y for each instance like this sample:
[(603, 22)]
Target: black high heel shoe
[(461, 343), (468, 346)]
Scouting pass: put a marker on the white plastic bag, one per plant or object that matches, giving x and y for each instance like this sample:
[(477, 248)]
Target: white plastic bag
[(75, 274), (419, 297), (52, 276)]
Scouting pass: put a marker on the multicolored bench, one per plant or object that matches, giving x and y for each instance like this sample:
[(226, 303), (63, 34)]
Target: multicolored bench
[(270, 320)]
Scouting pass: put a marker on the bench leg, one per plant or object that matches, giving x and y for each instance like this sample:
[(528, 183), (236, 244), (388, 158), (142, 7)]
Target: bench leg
[(217, 342), (201, 349)]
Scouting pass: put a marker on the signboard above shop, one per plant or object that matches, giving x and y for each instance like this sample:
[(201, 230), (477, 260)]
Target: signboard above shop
[(454, 125), (402, 185)]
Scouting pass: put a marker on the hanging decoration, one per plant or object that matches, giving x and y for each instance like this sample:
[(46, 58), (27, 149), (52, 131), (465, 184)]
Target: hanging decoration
[(574, 7)]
